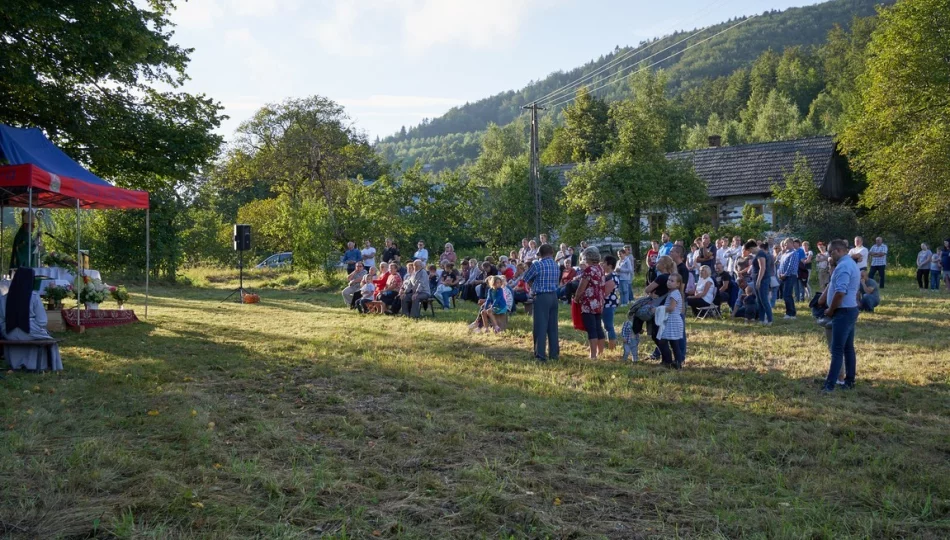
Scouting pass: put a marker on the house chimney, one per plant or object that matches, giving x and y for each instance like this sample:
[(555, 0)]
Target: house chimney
[(715, 141)]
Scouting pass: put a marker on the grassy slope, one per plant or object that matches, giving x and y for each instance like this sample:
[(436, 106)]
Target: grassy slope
[(298, 418)]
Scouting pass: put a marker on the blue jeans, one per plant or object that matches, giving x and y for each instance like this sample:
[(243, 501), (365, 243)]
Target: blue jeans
[(842, 346), (935, 280), (788, 294), (867, 304), (608, 318), (545, 326), (630, 349), (625, 292), (765, 302), (447, 297)]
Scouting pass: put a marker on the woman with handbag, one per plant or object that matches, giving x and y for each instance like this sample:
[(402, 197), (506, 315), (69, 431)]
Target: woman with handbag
[(590, 295)]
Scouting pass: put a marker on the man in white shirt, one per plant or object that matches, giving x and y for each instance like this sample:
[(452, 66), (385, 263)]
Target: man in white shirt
[(878, 254), (369, 255), (421, 253), (859, 253)]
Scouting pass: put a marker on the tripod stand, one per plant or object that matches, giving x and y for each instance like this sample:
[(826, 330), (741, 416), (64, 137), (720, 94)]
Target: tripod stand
[(240, 291)]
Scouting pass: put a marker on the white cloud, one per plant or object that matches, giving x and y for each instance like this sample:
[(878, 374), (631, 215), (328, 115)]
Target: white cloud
[(263, 8), (368, 27), (197, 14), (486, 24)]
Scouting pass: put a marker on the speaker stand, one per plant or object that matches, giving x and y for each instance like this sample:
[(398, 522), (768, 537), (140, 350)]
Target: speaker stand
[(240, 291)]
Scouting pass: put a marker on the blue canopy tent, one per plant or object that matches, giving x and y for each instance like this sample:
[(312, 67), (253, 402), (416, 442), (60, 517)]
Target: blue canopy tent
[(40, 175)]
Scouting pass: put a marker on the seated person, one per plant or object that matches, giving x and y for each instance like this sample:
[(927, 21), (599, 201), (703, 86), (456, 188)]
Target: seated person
[(433, 277), (475, 278), (497, 301), (705, 290), (726, 290), (869, 293), (448, 288), (23, 318), (366, 292), (520, 290), (747, 305), (353, 281), (388, 286), (570, 279), (506, 268)]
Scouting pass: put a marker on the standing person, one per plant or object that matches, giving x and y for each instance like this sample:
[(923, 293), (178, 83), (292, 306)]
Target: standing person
[(788, 275), (523, 252), (624, 275), (707, 253), (945, 263), (804, 272), (543, 278), (448, 255), (350, 257), (824, 268), (735, 251), (390, 252), (677, 254), (675, 329), (532, 254), (590, 295), (761, 275), (665, 245), (542, 239), (923, 266), (562, 253), (843, 312), (368, 255), (859, 253), (421, 254), (652, 255), (878, 253), (935, 262), (612, 284)]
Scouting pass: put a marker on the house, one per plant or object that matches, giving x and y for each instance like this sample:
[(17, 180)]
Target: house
[(744, 174)]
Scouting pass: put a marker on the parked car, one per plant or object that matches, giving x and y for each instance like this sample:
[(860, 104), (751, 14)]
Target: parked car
[(277, 260)]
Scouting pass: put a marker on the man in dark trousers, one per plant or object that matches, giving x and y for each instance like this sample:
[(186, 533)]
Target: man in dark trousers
[(544, 276)]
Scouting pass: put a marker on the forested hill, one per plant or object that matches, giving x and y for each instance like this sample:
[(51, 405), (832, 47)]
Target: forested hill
[(453, 138)]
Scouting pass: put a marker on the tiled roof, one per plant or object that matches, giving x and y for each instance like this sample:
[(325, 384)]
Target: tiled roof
[(750, 169)]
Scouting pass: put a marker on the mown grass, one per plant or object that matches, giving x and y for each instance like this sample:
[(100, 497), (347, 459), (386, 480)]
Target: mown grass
[(298, 418)]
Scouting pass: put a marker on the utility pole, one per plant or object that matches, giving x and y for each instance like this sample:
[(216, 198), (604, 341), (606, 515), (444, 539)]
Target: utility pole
[(535, 166)]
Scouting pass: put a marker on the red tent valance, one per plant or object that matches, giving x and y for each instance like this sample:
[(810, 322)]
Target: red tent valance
[(55, 191)]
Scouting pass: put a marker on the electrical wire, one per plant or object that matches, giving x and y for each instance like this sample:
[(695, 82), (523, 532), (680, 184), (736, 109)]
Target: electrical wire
[(552, 96), (571, 98)]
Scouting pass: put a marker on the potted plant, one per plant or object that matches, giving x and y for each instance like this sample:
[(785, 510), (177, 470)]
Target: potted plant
[(55, 294), (92, 293), (120, 295)]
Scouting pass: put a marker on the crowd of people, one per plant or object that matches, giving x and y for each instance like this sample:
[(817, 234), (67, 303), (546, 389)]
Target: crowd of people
[(747, 277)]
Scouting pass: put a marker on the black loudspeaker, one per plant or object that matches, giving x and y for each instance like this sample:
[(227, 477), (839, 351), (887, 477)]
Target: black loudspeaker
[(242, 237)]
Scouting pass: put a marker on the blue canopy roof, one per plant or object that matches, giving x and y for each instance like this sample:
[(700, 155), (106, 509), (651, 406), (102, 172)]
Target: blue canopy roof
[(30, 146)]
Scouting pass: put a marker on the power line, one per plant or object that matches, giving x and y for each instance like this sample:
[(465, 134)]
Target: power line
[(570, 86), (571, 98)]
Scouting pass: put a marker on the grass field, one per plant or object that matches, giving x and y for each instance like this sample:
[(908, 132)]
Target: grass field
[(297, 418)]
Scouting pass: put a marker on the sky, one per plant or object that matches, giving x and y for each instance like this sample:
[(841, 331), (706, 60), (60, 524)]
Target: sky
[(391, 63)]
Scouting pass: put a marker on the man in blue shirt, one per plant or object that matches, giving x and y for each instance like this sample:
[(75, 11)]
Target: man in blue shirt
[(665, 245), (843, 312), (788, 274), (351, 257), (544, 277)]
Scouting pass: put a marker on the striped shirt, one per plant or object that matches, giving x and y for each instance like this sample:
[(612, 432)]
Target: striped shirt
[(543, 276)]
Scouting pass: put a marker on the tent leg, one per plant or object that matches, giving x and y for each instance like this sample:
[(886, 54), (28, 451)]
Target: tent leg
[(79, 280), (147, 258), (29, 241)]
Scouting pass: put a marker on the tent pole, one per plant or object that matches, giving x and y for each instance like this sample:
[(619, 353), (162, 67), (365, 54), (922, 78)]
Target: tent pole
[(29, 242), (80, 282), (148, 261)]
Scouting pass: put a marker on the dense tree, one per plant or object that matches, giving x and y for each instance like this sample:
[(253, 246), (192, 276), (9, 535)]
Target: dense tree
[(802, 211), (585, 132), (85, 72), (900, 134), (635, 175)]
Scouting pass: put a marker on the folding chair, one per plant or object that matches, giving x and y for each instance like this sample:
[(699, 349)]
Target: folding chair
[(709, 311)]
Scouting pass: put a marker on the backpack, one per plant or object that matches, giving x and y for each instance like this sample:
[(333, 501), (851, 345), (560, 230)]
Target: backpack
[(644, 308)]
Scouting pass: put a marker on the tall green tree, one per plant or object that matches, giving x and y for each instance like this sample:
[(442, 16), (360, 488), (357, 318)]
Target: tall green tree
[(635, 176), (585, 132), (900, 134), (85, 72)]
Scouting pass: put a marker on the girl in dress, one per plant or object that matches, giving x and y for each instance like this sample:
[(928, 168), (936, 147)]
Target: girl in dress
[(672, 332)]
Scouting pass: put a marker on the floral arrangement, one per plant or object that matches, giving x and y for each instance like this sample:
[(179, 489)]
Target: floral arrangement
[(93, 291), (119, 294), (59, 260), (57, 293)]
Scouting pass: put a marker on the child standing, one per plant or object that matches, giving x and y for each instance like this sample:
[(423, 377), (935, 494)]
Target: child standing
[(935, 269), (673, 330), (631, 341)]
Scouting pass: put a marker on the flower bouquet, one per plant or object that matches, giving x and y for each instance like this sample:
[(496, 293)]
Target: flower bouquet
[(119, 294), (93, 292), (55, 294), (55, 259)]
